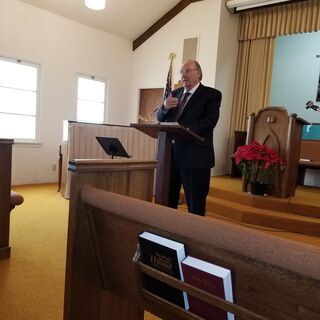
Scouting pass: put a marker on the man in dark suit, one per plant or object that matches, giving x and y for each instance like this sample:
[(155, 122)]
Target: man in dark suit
[(197, 108)]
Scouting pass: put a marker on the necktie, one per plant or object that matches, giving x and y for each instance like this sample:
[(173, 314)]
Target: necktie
[(182, 104)]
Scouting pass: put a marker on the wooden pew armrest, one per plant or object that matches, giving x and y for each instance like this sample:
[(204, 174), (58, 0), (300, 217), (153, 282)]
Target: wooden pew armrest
[(15, 199)]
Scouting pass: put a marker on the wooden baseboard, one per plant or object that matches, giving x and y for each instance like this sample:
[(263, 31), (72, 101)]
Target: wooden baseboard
[(5, 252)]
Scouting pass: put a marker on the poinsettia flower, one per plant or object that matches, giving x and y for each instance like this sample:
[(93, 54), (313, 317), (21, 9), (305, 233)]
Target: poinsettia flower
[(257, 161)]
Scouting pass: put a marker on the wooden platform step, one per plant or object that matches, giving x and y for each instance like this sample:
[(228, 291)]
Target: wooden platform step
[(289, 205), (250, 214)]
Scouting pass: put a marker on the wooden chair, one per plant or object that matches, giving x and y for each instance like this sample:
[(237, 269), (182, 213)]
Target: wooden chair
[(273, 278)]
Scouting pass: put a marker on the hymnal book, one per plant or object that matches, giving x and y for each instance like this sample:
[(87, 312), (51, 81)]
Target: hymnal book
[(165, 255), (211, 278)]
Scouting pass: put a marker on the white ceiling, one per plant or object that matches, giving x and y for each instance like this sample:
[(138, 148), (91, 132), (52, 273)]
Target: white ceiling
[(125, 18)]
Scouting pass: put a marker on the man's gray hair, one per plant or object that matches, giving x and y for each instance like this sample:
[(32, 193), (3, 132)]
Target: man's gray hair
[(198, 67)]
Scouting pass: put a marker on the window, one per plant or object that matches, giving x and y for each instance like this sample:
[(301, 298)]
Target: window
[(91, 99), (18, 99)]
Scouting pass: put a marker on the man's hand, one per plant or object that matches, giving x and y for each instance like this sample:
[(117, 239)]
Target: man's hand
[(170, 102)]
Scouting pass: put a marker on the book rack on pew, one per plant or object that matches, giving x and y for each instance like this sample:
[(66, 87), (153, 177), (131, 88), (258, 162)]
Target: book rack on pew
[(179, 312)]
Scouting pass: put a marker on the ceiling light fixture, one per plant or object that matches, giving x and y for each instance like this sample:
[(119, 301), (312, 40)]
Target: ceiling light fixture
[(96, 4)]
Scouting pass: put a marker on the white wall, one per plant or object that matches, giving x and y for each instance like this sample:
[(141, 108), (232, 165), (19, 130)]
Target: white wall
[(63, 48), (217, 30), (225, 77)]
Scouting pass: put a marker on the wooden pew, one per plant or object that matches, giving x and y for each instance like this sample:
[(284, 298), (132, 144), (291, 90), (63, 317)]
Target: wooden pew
[(8, 198), (273, 278), (309, 157)]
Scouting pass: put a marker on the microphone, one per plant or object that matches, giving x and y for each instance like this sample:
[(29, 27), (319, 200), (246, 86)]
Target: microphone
[(312, 106)]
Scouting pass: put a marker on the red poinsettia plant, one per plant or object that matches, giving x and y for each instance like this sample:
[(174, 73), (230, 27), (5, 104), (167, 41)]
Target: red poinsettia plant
[(257, 162)]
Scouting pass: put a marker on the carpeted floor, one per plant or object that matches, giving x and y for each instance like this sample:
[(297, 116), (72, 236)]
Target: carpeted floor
[(32, 280)]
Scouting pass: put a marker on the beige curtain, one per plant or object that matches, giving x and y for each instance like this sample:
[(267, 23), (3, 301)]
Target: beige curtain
[(257, 32), (253, 78)]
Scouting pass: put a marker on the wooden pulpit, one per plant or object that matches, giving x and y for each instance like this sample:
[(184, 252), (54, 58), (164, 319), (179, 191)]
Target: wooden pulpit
[(274, 127), (165, 132)]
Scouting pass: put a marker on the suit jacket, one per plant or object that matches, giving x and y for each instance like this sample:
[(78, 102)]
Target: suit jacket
[(200, 115)]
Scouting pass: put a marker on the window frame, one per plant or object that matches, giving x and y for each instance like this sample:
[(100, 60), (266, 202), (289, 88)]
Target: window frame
[(96, 78), (37, 66)]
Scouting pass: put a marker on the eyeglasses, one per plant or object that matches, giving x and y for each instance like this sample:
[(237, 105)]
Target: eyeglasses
[(186, 71)]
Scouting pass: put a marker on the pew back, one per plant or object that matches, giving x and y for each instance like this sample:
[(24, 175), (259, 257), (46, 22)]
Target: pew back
[(273, 278)]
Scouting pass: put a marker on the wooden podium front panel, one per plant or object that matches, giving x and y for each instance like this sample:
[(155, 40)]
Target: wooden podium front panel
[(271, 128), (127, 177), (282, 133), (133, 178)]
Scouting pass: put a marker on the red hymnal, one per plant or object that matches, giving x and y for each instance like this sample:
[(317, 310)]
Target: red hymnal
[(211, 278)]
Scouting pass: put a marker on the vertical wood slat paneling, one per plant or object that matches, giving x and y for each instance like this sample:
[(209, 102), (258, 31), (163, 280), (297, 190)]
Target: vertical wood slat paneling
[(82, 143)]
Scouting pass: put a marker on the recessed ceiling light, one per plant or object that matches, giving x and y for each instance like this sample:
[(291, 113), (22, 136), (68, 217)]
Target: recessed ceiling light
[(96, 4)]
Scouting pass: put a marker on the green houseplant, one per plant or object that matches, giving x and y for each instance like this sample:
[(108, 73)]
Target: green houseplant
[(257, 162)]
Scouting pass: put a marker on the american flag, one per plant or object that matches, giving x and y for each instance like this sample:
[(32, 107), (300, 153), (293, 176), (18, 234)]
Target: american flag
[(167, 90)]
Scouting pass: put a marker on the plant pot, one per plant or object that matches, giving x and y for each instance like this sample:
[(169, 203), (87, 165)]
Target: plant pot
[(258, 188)]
